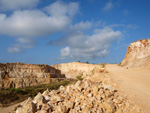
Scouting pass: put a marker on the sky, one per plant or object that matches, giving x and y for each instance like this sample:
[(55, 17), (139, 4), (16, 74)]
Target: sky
[(62, 31)]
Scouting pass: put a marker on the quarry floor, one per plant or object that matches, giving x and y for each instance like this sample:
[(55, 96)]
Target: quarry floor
[(134, 83)]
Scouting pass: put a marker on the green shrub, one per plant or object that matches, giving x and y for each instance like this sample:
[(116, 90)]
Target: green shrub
[(102, 64), (12, 89), (79, 77), (18, 91), (87, 62), (119, 64)]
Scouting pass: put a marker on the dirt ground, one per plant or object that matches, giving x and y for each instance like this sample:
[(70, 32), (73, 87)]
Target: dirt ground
[(134, 83), (8, 109)]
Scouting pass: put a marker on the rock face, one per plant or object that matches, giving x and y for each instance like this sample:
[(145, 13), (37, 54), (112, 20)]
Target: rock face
[(21, 75), (83, 97), (20, 70), (71, 70), (138, 54)]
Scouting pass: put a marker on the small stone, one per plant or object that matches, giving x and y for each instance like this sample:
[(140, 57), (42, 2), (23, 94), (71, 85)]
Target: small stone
[(46, 93), (62, 88), (109, 107), (38, 98), (46, 107), (41, 111)]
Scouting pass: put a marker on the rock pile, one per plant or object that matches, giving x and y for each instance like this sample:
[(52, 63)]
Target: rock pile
[(83, 97)]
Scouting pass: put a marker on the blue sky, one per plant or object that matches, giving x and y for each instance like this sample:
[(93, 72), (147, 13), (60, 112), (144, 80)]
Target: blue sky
[(52, 32)]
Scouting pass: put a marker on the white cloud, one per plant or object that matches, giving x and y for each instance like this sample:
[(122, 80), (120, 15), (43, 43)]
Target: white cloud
[(14, 50), (23, 43), (23, 40), (30, 24), (65, 51), (62, 9), (82, 25), (17, 4), (108, 6), (81, 46)]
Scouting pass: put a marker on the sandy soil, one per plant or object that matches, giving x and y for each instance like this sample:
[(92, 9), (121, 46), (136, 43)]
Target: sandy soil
[(8, 109), (134, 83)]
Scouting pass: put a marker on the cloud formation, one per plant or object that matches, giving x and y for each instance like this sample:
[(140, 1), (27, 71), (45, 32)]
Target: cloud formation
[(29, 24), (82, 46), (108, 6), (23, 43), (6, 5), (76, 43)]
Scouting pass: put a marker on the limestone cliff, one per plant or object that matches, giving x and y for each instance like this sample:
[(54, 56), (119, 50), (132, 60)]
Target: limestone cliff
[(138, 54), (22, 75), (73, 69)]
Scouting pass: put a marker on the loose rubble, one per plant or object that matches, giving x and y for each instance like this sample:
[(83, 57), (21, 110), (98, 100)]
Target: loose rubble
[(84, 97)]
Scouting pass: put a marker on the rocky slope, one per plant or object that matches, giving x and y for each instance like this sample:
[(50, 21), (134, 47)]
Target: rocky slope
[(73, 69), (21, 75), (138, 54), (96, 93), (84, 97)]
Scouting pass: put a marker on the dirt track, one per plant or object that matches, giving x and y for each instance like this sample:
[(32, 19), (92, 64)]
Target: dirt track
[(8, 109), (134, 83)]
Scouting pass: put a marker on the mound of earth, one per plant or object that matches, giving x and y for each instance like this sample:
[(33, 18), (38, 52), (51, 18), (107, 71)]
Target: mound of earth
[(138, 54), (73, 69)]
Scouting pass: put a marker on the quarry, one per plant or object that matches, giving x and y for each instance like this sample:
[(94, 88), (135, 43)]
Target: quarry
[(103, 88)]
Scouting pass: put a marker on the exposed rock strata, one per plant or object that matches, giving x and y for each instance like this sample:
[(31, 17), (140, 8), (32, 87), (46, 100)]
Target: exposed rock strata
[(138, 54), (21, 75), (20, 70), (26, 82), (83, 97), (73, 69)]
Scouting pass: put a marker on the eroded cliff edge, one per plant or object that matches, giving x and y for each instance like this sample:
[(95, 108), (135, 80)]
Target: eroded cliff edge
[(138, 54), (73, 69)]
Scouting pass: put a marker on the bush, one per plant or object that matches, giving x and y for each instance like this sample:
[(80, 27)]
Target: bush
[(12, 89), (119, 64), (79, 77), (18, 91), (102, 64)]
